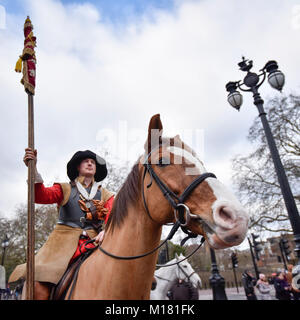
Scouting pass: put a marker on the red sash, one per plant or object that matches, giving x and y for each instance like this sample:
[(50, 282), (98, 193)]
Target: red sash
[(79, 251)]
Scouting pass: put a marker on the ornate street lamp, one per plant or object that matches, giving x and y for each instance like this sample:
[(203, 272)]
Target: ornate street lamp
[(276, 77), (234, 98), (5, 243), (216, 281), (251, 83)]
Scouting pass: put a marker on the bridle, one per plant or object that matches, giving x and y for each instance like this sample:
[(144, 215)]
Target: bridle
[(178, 203), (181, 210), (187, 276), (178, 206)]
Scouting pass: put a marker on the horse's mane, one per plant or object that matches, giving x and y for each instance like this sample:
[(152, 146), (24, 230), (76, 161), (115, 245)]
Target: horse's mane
[(128, 194)]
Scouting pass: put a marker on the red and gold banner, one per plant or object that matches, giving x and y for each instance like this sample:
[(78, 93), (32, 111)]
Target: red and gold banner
[(28, 59)]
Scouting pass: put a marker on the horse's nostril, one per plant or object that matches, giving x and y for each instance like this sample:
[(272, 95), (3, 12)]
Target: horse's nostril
[(224, 217), (225, 214)]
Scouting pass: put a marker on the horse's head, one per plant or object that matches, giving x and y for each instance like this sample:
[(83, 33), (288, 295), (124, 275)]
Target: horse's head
[(186, 272), (216, 213)]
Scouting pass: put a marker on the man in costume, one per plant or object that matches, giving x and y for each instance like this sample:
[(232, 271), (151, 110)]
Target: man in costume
[(84, 207)]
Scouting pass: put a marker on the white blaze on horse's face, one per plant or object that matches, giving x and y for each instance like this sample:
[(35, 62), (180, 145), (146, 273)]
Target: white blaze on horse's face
[(230, 220)]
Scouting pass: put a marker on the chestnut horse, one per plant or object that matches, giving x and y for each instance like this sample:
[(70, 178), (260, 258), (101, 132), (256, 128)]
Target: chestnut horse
[(141, 209)]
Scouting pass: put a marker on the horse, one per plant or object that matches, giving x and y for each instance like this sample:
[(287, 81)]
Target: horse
[(167, 184), (166, 276)]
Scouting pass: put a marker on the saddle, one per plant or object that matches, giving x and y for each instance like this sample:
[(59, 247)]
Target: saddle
[(60, 290)]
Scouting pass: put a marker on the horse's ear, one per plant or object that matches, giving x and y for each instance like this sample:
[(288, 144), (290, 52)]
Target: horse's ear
[(154, 133), (177, 142), (176, 255)]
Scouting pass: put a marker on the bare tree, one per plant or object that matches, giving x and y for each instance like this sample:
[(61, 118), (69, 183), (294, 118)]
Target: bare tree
[(254, 174), (16, 230), (116, 176)]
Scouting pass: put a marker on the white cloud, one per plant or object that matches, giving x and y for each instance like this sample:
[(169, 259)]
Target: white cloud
[(92, 74)]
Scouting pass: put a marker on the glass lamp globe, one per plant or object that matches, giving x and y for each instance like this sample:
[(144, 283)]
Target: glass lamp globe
[(276, 80), (235, 99)]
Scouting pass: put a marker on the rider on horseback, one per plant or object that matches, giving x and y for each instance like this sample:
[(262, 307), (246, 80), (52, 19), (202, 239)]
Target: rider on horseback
[(83, 206)]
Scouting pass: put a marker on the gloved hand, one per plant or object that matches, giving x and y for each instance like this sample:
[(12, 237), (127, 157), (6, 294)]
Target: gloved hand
[(99, 237)]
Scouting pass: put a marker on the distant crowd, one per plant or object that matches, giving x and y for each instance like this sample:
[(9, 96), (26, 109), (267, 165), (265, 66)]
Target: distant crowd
[(281, 280), (8, 294)]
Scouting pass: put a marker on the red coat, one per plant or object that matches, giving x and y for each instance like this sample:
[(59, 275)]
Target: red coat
[(53, 258), (54, 194)]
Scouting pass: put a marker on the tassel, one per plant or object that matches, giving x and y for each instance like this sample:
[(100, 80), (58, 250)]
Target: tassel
[(18, 67)]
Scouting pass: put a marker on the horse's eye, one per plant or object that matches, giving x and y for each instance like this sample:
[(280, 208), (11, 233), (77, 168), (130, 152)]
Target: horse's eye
[(162, 162), (185, 266)]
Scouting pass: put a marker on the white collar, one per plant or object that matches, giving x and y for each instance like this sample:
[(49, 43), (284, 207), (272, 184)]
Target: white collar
[(84, 192)]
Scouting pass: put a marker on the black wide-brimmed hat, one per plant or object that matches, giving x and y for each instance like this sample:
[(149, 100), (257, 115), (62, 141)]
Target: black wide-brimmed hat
[(101, 170)]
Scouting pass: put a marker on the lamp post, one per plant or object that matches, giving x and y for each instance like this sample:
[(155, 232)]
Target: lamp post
[(167, 252), (256, 246), (234, 261), (251, 83), (285, 248), (282, 254), (4, 246), (216, 281), (253, 259), (163, 256)]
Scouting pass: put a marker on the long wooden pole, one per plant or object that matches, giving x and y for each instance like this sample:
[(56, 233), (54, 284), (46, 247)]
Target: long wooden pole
[(26, 64), (30, 207)]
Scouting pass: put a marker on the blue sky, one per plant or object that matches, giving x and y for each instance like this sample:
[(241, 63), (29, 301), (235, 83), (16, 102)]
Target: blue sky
[(113, 11)]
